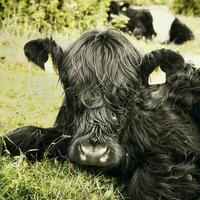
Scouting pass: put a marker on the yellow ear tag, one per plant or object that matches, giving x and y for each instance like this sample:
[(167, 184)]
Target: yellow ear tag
[(157, 76), (48, 65)]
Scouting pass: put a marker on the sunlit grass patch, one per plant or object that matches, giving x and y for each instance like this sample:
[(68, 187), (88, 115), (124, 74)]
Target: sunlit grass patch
[(52, 180)]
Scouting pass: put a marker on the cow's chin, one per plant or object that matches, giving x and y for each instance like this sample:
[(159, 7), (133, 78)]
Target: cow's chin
[(105, 154)]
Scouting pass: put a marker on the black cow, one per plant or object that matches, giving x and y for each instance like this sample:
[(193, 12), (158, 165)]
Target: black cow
[(112, 119)]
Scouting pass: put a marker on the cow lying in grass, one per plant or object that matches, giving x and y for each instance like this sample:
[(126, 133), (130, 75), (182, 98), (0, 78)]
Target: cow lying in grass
[(111, 118), (157, 23)]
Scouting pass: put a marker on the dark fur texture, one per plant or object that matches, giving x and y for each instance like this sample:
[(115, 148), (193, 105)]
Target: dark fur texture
[(39, 50), (115, 8), (179, 32), (140, 21), (112, 118), (140, 24)]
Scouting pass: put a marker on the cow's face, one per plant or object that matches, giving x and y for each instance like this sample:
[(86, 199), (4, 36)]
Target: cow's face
[(97, 132), (99, 73)]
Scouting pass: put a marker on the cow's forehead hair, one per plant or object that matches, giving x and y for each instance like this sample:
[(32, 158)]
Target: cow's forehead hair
[(106, 55)]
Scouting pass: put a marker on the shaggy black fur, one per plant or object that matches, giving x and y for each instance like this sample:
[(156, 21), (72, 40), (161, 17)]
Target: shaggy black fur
[(112, 118), (140, 23)]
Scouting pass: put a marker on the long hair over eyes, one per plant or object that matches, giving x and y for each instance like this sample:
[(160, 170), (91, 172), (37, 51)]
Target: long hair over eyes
[(101, 58)]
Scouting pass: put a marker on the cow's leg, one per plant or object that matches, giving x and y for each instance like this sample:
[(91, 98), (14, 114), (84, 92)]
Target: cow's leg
[(35, 143), (62, 117), (65, 116)]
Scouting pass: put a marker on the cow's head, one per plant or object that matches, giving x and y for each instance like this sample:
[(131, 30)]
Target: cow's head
[(115, 8), (99, 73)]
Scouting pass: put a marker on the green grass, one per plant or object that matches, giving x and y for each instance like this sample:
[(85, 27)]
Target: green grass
[(29, 96), (50, 180)]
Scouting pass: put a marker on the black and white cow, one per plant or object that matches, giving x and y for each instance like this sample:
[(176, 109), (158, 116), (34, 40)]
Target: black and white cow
[(152, 22)]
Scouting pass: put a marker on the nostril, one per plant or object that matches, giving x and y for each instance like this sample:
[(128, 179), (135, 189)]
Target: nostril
[(104, 157), (95, 155), (93, 151)]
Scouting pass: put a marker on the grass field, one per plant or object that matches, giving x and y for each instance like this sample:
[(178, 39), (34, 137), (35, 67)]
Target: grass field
[(29, 96)]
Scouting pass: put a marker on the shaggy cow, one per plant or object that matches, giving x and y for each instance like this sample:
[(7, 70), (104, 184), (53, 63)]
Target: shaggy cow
[(112, 119), (151, 23)]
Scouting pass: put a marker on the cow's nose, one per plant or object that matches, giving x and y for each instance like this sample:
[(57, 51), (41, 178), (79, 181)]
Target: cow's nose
[(94, 155)]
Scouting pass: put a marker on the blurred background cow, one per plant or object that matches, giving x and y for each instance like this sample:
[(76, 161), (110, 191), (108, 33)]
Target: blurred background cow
[(156, 23)]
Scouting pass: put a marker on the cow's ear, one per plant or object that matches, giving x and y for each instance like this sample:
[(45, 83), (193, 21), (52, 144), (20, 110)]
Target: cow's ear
[(45, 53), (164, 62)]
